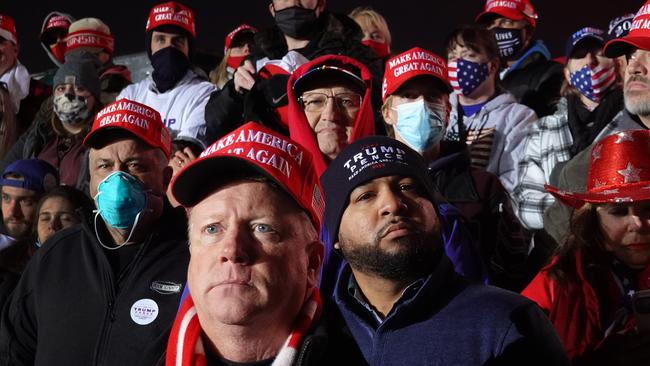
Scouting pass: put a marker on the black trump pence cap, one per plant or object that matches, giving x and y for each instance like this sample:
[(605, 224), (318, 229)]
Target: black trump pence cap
[(362, 161)]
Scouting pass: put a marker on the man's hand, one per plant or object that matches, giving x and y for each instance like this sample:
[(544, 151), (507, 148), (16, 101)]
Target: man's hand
[(244, 77)]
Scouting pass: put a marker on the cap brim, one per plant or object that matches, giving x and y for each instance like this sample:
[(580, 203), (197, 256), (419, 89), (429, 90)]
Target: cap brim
[(622, 46), (510, 14), (101, 137), (628, 193), (202, 177), (314, 78), (443, 86)]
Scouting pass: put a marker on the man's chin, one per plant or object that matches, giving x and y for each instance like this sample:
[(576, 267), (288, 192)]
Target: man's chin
[(17, 230)]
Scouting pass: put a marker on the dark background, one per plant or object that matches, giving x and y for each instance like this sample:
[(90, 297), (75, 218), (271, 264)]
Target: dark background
[(425, 22)]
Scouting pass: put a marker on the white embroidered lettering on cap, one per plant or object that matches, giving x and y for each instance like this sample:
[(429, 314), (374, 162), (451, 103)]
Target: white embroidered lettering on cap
[(372, 155)]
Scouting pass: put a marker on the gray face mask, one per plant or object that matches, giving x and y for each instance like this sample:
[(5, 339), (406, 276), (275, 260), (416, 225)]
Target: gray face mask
[(71, 109)]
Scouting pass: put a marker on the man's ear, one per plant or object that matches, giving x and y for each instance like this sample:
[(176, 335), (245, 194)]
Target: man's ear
[(320, 7), (315, 253), (167, 174), (271, 9)]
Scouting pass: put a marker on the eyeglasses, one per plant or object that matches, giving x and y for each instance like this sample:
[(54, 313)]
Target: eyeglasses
[(316, 102)]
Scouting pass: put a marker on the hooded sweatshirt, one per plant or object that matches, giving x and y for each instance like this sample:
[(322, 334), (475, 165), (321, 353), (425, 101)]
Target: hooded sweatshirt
[(495, 133), (299, 128), (46, 47)]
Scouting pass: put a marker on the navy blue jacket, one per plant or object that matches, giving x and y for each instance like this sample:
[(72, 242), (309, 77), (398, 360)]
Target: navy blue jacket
[(447, 321)]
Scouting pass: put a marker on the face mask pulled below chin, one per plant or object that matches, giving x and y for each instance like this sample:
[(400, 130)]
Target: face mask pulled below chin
[(593, 81), (420, 125), (235, 61), (296, 22), (169, 67), (71, 109), (509, 42)]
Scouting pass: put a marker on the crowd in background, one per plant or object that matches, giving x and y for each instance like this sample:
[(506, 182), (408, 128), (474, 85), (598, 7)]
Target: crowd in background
[(320, 197)]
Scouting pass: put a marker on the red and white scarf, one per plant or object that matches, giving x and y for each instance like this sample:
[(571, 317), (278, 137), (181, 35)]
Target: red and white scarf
[(185, 346)]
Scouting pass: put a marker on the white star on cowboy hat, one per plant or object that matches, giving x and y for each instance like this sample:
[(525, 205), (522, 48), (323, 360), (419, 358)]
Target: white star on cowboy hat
[(630, 173)]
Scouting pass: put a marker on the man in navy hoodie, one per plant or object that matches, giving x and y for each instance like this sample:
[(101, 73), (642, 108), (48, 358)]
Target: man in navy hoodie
[(399, 294)]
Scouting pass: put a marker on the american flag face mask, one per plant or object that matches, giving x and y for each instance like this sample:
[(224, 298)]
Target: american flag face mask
[(465, 76), (594, 80)]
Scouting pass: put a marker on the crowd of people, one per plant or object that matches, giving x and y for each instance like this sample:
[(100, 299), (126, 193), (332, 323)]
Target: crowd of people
[(321, 198)]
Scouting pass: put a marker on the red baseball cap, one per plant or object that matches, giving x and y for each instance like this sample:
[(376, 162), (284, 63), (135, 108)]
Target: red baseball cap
[(412, 63), (56, 21), (8, 28), (234, 33), (511, 9), (172, 13), (619, 171), (140, 120), (253, 146), (639, 35)]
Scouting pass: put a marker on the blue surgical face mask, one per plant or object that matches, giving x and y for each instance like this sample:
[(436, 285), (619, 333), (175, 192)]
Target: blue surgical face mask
[(120, 199), (420, 124)]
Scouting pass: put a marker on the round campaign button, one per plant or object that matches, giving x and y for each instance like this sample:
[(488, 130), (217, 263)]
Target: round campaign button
[(144, 311)]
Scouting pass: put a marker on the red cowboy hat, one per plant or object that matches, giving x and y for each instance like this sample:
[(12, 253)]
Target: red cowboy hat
[(619, 171)]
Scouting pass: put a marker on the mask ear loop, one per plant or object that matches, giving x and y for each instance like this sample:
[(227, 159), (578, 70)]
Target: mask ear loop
[(135, 223), (126, 242)]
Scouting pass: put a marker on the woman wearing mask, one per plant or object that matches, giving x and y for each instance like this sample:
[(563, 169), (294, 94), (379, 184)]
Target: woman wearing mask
[(483, 115), (61, 208), (58, 140), (588, 288), (591, 97), (416, 109), (376, 34), (237, 46)]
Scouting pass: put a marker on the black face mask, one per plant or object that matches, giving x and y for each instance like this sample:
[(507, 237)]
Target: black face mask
[(169, 66), (296, 22), (509, 42)]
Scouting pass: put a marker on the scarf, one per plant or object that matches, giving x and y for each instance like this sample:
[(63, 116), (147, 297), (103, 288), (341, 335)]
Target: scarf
[(185, 346), (585, 125), (17, 81)]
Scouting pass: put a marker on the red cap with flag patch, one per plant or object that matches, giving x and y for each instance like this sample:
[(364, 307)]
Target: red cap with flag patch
[(639, 35), (234, 33), (140, 120), (619, 171), (412, 63), (511, 9), (172, 13), (8, 28), (255, 147)]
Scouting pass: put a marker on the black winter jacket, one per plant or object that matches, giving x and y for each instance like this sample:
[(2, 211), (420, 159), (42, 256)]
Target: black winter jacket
[(70, 309)]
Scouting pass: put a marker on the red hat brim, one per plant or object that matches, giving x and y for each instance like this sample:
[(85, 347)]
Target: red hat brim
[(623, 194), (621, 46), (506, 13)]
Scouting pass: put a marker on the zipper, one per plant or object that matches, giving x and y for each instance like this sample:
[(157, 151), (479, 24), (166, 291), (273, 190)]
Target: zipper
[(113, 298)]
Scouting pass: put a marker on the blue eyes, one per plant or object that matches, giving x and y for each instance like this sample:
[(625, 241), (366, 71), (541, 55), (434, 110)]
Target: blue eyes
[(263, 228), (258, 228), (211, 229)]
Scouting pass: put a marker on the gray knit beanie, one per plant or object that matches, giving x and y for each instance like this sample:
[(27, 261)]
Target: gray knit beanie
[(80, 68)]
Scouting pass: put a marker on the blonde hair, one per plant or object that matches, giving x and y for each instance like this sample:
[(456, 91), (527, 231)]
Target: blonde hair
[(219, 75), (390, 131), (370, 16)]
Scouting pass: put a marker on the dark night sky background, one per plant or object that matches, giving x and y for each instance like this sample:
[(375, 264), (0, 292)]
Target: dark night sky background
[(412, 22)]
